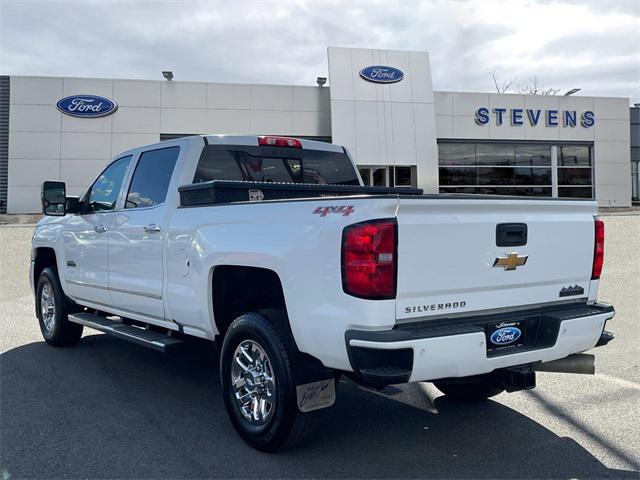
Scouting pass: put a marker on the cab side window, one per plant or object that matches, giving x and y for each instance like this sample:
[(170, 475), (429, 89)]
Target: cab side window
[(151, 178), (105, 190)]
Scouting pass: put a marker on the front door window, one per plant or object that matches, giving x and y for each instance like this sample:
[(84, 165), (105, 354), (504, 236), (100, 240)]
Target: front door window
[(103, 194)]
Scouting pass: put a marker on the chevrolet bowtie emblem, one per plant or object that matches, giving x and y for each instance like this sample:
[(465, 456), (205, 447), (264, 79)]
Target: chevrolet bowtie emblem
[(511, 261)]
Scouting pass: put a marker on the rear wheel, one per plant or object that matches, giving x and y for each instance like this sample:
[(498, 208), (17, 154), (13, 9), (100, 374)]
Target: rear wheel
[(52, 308), (258, 386), (471, 389)]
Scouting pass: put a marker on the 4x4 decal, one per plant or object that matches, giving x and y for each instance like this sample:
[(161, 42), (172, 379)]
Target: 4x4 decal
[(345, 210)]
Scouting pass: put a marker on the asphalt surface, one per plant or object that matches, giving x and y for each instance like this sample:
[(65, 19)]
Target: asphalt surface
[(110, 409)]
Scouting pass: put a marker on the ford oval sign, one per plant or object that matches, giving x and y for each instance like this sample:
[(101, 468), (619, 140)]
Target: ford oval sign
[(505, 336), (87, 106), (381, 74)]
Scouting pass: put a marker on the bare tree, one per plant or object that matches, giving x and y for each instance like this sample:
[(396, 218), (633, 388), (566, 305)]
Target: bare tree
[(504, 86), (533, 87)]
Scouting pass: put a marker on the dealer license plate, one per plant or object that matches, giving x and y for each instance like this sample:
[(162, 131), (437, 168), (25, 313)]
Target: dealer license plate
[(505, 336)]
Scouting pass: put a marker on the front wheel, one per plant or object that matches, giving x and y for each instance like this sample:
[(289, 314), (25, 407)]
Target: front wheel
[(52, 308), (471, 389), (258, 386)]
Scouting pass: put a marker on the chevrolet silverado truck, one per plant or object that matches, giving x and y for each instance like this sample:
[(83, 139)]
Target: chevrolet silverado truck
[(271, 248)]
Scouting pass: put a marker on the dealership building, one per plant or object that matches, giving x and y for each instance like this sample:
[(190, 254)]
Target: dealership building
[(379, 104)]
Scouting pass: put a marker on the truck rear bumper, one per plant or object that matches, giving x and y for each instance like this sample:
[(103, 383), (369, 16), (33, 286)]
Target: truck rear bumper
[(435, 349)]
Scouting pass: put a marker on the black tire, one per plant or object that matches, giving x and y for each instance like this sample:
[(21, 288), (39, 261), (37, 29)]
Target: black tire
[(56, 329), (471, 389), (286, 426)]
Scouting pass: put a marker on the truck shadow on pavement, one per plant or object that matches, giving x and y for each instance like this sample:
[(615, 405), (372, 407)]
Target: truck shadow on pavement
[(110, 409)]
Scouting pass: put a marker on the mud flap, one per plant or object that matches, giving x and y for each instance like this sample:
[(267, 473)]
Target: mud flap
[(316, 395)]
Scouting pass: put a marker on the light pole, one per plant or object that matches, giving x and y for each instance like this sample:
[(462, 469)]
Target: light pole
[(572, 91)]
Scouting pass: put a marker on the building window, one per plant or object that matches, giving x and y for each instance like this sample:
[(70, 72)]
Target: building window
[(515, 169), (575, 179), (495, 169), (379, 177), (635, 181), (403, 176), (383, 176), (457, 153)]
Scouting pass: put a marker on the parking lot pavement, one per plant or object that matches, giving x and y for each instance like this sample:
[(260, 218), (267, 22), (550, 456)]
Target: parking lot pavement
[(111, 409)]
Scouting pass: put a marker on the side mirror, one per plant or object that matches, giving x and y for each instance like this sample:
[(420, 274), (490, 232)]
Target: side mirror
[(54, 199)]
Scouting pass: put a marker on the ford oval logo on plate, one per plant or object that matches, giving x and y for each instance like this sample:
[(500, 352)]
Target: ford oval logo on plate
[(381, 74), (87, 106), (505, 336)]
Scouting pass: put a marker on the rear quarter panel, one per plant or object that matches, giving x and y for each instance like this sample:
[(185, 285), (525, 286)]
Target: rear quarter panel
[(303, 248)]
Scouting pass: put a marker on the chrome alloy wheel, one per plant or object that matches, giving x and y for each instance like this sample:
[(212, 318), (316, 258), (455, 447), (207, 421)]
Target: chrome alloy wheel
[(253, 382), (47, 307)]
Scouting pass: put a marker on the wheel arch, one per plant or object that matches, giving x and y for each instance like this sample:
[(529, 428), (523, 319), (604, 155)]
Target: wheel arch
[(43, 257), (238, 289)]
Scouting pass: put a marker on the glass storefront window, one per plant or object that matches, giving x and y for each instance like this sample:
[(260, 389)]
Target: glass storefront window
[(534, 155), (574, 176), (515, 169), (533, 176), (635, 180), (458, 176), (402, 176), (495, 176), (571, 155), (457, 154), (382, 176), (457, 190), (575, 192), (520, 191), (495, 154), (514, 176)]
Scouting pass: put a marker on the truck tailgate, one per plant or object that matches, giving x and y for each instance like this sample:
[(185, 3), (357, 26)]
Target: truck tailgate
[(449, 261)]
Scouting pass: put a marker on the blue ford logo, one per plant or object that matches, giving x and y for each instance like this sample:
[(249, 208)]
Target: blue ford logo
[(505, 336), (86, 106), (381, 74)]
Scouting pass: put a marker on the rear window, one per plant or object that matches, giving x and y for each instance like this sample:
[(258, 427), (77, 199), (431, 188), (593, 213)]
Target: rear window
[(151, 177), (274, 164)]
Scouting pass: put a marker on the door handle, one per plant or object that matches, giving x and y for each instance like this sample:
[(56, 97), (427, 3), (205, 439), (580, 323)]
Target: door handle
[(151, 228), (99, 229)]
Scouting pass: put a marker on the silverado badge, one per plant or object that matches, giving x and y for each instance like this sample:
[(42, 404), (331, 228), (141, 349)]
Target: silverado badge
[(511, 261)]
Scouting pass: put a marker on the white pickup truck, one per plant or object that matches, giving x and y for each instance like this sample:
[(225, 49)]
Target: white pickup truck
[(272, 248)]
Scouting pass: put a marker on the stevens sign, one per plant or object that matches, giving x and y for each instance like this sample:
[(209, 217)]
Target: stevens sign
[(534, 117)]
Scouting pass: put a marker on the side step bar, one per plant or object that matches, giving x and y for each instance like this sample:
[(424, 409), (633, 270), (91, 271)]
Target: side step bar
[(147, 338)]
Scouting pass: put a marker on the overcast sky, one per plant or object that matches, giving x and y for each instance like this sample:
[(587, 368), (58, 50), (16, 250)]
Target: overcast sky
[(592, 45)]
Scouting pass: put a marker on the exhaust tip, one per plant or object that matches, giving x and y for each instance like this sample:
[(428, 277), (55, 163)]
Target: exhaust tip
[(605, 338), (581, 363)]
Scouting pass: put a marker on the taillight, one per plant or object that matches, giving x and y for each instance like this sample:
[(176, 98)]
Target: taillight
[(598, 249), (369, 259), (279, 142)]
